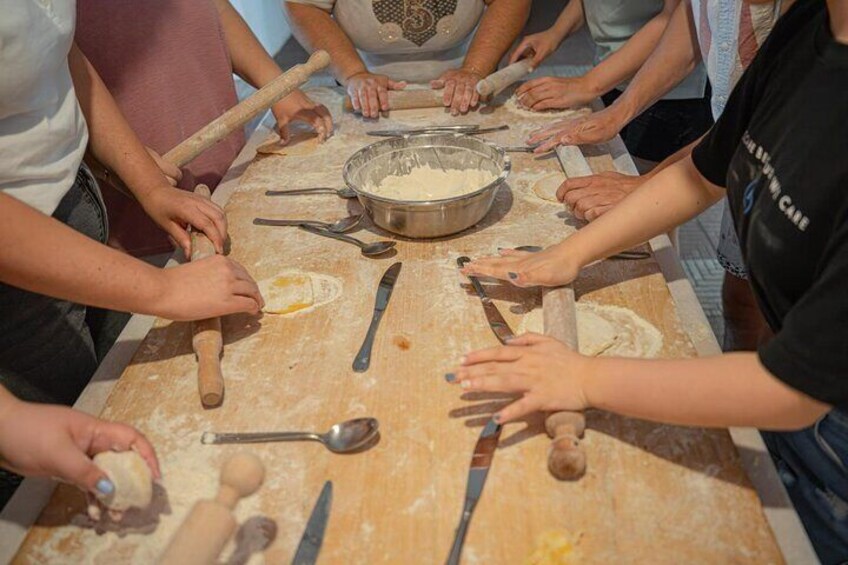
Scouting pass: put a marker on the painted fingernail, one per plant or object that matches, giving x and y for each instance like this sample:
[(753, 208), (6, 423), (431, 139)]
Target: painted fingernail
[(105, 486), (496, 418), (508, 338), (450, 377), (465, 384), (512, 275)]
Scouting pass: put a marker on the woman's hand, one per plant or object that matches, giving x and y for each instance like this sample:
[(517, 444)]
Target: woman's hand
[(550, 267), (369, 93), (174, 210), (592, 196), (547, 374), (298, 107), (172, 172), (41, 440), (460, 89), (214, 286), (598, 127), (548, 93), (536, 46)]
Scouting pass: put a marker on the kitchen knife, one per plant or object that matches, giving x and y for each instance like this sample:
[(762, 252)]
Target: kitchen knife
[(313, 536), (493, 315), (484, 452), (384, 292), (466, 129)]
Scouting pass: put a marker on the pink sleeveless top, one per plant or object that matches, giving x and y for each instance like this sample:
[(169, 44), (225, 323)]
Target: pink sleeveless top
[(166, 64)]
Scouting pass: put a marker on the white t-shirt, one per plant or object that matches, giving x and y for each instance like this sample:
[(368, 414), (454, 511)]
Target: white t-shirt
[(42, 129), (412, 41)]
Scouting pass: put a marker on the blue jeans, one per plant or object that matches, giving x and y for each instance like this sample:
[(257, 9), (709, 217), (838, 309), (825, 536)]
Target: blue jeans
[(813, 465)]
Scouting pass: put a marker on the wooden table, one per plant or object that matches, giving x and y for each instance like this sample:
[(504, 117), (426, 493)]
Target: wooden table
[(652, 493)]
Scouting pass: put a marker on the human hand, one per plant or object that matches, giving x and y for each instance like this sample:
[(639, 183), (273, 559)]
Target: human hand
[(174, 210), (548, 93), (41, 440), (208, 288), (597, 127), (545, 372), (460, 89), (537, 46), (171, 171), (592, 196), (298, 107), (369, 93), (550, 267)]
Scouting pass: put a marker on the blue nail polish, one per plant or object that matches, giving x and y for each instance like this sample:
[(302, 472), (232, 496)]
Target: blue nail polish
[(450, 377), (105, 486), (513, 276)]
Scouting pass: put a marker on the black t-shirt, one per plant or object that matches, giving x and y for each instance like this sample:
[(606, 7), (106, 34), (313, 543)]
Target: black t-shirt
[(781, 149)]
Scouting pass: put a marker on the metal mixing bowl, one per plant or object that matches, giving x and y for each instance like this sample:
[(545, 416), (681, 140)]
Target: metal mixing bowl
[(431, 218)]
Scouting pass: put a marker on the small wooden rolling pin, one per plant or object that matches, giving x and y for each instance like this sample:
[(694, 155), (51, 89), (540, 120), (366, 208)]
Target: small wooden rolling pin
[(210, 524), (408, 100), (497, 81), (206, 338)]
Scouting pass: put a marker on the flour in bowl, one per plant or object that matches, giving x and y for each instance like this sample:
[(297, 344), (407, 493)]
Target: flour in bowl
[(426, 183)]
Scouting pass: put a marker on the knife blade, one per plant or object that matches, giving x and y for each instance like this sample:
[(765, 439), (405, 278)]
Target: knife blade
[(466, 129), (496, 321), (384, 291), (481, 461), (313, 536)]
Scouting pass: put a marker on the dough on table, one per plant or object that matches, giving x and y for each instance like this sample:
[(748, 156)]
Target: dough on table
[(132, 479), (606, 331), (295, 291), (300, 143), (513, 106), (547, 186)]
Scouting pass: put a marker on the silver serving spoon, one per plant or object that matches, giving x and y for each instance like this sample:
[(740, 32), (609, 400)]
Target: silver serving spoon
[(346, 192), (367, 249), (341, 438), (339, 226)]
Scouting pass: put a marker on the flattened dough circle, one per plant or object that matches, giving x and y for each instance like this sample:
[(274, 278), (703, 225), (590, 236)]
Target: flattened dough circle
[(300, 143), (132, 479), (546, 187), (294, 291)]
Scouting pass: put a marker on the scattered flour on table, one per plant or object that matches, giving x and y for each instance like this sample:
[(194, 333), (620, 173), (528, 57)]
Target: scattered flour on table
[(606, 331), (514, 107), (426, 183)]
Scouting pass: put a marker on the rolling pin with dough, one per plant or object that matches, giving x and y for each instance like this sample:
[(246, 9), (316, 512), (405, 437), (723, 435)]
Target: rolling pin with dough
[(408, 100), (210, 523), (497, 81)]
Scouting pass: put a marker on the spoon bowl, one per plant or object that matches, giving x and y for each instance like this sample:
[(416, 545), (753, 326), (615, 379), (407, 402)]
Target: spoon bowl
[(377, 248), (351, 435)]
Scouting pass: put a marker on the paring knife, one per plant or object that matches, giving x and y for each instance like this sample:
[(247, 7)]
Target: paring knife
[(466, 129), (484, 451), (493, 315), (384, 292), (313, 536)]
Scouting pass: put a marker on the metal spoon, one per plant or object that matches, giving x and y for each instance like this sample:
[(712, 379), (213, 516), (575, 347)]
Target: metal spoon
[(341, 438), (346, 192), (339, 226), (631, 255), (367, 249)]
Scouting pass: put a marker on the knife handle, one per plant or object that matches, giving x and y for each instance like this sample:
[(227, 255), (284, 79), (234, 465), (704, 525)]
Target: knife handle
[(459, 536), (363, 359)]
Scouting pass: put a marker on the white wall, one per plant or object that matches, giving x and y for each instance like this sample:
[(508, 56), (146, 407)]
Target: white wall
[(267, 20)]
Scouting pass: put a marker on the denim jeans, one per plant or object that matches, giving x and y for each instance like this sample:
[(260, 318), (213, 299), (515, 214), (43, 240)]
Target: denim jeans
[(813, 465), (47, 346)]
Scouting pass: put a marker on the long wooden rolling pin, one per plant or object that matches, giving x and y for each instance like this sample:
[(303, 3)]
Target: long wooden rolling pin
[(206, 338), (210, 524), (408, 100), (497, 81)]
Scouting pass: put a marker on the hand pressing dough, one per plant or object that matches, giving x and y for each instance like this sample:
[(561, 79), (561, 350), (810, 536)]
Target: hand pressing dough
[(606, 331), (546, 187), (132, 479), (294, 291), (300, 143)]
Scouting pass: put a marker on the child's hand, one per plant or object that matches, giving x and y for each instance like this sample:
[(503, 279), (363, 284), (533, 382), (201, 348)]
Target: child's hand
[(41, 440), (537, 47), (298, 107)]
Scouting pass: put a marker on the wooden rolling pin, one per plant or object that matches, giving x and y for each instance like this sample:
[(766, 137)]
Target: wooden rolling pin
[(408, 100), (566, 457), (246, 110), (206, 338), (497, 81), (210, 524)]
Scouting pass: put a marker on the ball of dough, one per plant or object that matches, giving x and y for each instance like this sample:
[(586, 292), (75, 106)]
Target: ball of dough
[(546, 187), (132, 479)]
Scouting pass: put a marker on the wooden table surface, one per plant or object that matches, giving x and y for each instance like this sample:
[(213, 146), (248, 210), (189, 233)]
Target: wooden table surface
[(652, 493)]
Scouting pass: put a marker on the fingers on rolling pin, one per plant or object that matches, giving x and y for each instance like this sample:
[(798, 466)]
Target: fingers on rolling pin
[(566, 458)]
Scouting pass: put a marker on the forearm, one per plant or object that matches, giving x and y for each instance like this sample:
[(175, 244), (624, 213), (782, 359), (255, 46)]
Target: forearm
[(316, 29), (665, 201), (625, 62), (569, 20), (250, 60), (111, 140), (674, 58), (502, 21), (675, 157), (731, 390), (42, 255)]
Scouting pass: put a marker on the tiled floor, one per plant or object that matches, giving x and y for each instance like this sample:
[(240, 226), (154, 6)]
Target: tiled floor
[(698, 238)]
